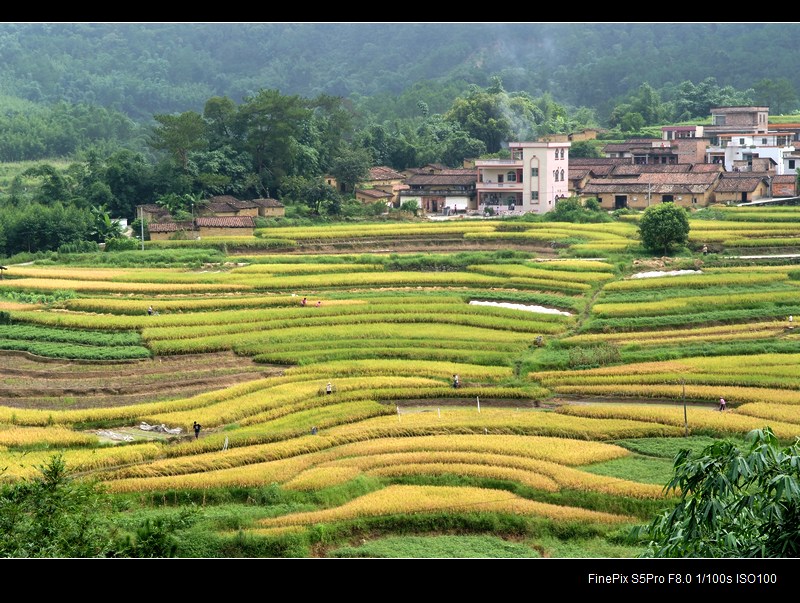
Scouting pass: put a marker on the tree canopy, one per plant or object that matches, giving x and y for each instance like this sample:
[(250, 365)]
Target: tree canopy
[(735, 501), (664, 227)]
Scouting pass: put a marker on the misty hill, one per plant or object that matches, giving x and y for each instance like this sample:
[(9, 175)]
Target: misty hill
[(143, 69)]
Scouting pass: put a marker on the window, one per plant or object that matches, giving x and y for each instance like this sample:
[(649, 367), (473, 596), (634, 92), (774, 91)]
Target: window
[(500, 178), (763, 141), (562, 175), (556, 157), (535, 196), (511, 177), (741, 141), (562, 154), (791, 164), (534, 172)]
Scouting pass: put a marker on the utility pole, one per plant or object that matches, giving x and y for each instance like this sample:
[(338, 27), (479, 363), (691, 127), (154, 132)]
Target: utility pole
[(685, 418), (141, 225)]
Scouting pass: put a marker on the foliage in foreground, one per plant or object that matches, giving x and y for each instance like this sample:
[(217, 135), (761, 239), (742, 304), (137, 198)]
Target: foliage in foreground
[(734, 502)]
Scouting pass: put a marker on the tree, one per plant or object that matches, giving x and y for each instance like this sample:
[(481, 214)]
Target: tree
[(351, 167), (779, 95), (584, 148), (664, 227), (733, 502), (53, 515), (179, 135)]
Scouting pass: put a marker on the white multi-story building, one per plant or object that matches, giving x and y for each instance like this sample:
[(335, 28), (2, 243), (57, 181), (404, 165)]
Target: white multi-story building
[(536, 176), (737, 152)]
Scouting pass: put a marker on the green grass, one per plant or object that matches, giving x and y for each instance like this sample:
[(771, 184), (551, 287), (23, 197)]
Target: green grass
[(666, 447), (588, 548), (636, 468), (420, 547)]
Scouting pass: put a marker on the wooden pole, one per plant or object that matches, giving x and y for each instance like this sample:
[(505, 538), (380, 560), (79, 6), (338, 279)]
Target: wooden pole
[(685, 418)]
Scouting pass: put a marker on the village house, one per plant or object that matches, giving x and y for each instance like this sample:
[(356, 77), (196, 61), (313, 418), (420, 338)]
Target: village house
[(687, 189), (443, 192), (385, 180), (368, 196), (225, 226), (533, 180), (162, 231), (740, 187), (270, 208), (740, 136)]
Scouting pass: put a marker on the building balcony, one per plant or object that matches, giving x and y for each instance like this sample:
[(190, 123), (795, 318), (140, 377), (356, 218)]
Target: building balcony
[(498, 163), (494, 186), (442, 192)]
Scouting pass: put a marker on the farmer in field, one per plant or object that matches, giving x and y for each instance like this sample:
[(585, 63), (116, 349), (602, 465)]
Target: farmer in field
[(722, 404), (196, 427), (329, 388), (456, 381), (304, 302)]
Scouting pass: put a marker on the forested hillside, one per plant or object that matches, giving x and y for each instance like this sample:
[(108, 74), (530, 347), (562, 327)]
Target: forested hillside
[(143, 69)]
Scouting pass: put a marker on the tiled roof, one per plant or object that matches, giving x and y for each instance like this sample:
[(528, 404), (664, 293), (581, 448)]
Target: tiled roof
[(222, 199), (169, 226), (227, 222), (747, 174), (654, 183), (382, 172), (268, 202), (707, 167), (738, 185), (598, 160), (597, 169), (219, 207), (784, 179), (631, 169), (373, 192), (577, 174)]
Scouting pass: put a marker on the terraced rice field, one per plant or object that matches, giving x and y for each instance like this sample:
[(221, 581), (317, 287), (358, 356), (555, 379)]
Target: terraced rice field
[(535, 434)]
